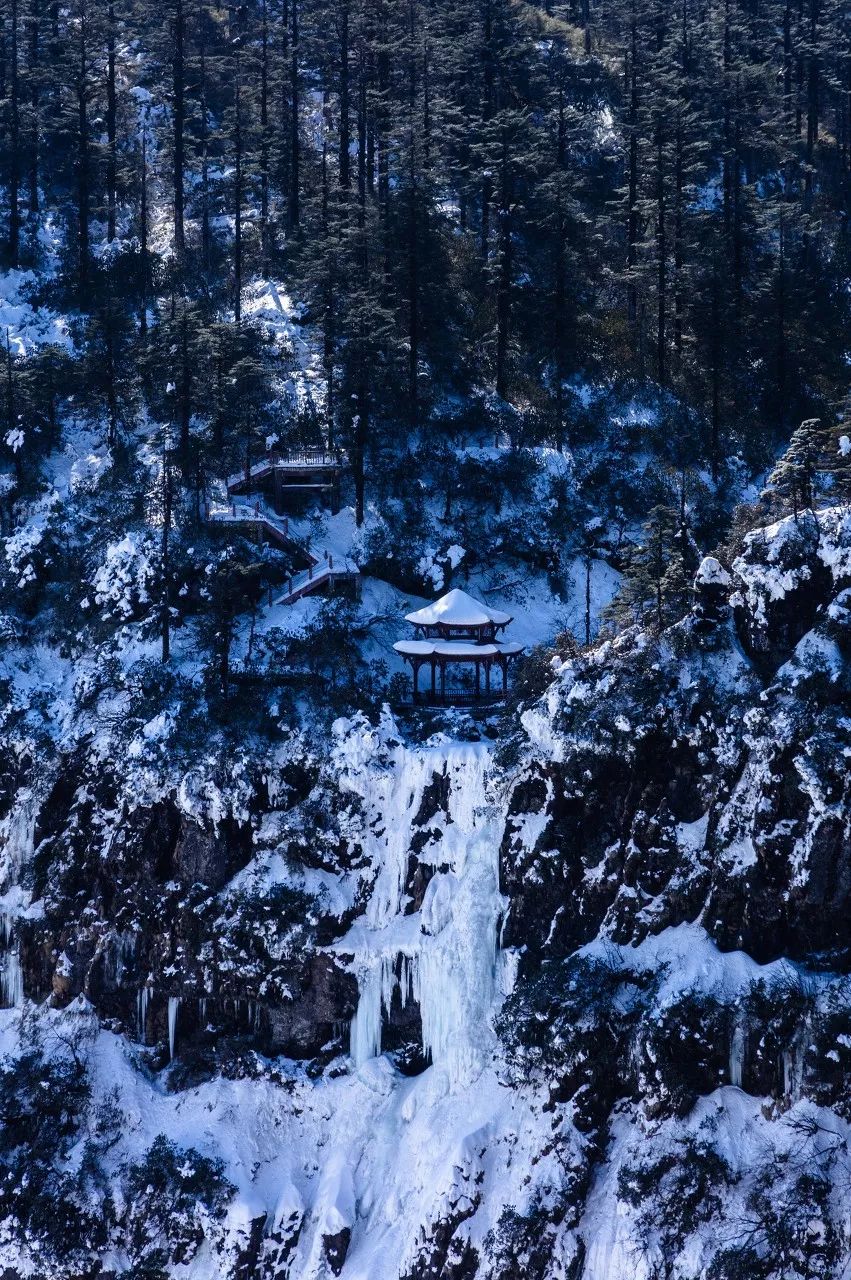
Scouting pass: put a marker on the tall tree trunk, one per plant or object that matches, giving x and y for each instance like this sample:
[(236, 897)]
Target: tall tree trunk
[(662, 258), (799, 70), (632, 187), (588, 565), (185, 386), (111, 156), (345, 140), (787, 64), (204, 130), (782, 346), (560, 268), (111, 395), (165, 557), (327, 309), (361, 425), (14, 139), (813, 79), (237, 195), (413, 227), (83, 158), (559, 304), (264, 139), (679, 168), (12, 412), (716, 353), (487, 112), (179, 120), (35, 106), (143, 226), (426, 124), (295, 165), (361, 435), (284, 150), (503, 299)]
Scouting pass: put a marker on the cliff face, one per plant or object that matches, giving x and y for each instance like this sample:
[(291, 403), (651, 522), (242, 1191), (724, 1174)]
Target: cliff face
[(561, 996)]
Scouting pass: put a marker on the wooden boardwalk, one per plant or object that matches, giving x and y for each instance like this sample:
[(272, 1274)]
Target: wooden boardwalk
[(261, 524), (324, 570)]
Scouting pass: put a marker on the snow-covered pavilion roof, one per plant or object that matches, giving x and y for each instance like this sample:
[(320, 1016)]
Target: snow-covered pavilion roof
[(456, 649), (457, 609)]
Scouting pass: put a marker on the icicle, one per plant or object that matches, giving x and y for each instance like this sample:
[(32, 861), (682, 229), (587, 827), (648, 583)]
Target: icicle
[(12, 980), (793, 1071), (366, 1024), (142, 999), (202, 1011), (173, 1006), (737, 1052)]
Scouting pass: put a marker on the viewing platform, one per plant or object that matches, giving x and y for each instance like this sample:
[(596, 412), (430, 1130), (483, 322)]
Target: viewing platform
[(293, 478)]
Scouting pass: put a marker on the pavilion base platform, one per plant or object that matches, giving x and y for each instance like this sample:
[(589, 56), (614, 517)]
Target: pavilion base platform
[(488, 666)]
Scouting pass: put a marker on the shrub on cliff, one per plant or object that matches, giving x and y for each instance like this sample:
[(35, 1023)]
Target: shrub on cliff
[(173, 1198), (50, 1203)]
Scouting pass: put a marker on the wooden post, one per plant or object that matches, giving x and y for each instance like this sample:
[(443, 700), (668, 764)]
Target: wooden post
[(478, 679), (442, 680), (433, 680), (488, 677), (416, 667)]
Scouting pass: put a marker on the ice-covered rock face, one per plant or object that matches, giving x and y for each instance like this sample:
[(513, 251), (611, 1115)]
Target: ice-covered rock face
[(479, 1009), (786, 574), (443, 956)]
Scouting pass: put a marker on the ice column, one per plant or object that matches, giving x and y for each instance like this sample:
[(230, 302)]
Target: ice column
[(173, 1006), (11, 973)]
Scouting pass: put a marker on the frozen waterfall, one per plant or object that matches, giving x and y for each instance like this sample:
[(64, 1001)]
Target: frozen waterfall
[(443, 956)]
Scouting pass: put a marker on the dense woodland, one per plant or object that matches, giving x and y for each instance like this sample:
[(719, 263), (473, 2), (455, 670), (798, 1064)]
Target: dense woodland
[(483, 205)]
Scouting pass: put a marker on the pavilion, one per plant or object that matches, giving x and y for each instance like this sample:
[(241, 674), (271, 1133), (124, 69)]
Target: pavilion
[(459, 631)]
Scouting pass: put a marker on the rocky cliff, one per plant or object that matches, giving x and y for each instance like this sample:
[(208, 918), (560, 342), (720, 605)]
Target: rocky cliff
[(563, 994)]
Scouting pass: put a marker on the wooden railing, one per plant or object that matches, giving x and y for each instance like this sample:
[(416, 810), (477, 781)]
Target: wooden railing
[(281, 459), (307, 456)]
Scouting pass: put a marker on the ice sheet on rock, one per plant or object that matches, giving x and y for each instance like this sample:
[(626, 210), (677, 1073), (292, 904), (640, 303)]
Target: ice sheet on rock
[(444, 956)]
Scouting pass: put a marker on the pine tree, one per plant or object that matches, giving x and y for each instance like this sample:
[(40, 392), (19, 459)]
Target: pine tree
[(817, 464), (656, 585)]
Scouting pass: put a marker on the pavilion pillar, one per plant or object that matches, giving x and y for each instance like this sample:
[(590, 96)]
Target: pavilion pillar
[(478, 679), (488, 676), (442, 681), (416, 667), (433, 679)]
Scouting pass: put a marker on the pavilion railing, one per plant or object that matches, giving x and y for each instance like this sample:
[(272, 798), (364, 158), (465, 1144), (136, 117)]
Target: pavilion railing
[(457, 698)]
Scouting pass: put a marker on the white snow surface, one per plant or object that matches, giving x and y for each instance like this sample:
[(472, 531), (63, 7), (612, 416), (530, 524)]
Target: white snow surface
[(457, 609)]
